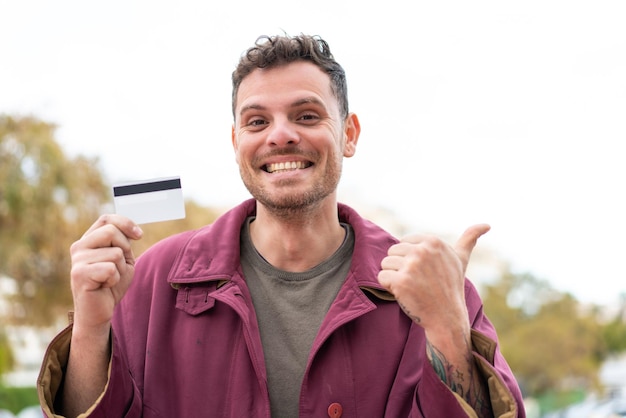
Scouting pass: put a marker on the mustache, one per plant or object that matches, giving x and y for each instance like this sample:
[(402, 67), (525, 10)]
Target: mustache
[(293, 151)]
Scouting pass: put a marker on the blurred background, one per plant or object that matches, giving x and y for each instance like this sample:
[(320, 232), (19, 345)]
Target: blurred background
[(510, 113)]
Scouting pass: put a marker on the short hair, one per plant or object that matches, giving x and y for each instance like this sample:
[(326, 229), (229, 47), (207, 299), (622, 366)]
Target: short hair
[(274, 51)]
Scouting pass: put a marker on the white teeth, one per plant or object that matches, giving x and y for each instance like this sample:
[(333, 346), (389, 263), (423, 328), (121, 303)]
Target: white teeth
[(285, 166)]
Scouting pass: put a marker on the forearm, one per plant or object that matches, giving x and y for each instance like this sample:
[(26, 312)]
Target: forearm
[(86, 374), (454, 363)]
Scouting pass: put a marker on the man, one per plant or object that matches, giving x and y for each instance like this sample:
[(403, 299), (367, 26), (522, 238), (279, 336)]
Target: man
[(289, 304)]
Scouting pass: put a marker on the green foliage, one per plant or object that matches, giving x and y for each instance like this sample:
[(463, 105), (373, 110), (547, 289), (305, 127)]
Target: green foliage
[(615, 330), (555, 400), (47, 200), (615, 336), (550, 340), (15, 399), (7, 359)]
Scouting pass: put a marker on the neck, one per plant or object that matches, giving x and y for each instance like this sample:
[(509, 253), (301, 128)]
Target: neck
[(297, 243)]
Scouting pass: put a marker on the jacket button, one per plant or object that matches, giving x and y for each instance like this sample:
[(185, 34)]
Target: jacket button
[(335, 410)]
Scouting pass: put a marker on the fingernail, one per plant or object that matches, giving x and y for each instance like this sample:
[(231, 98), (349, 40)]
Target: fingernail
[(137, 231)]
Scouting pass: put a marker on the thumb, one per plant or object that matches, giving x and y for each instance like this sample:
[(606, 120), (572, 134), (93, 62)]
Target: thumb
[(466, 243)]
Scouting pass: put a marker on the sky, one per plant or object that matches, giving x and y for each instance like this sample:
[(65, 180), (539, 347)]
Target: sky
[(509, 113)]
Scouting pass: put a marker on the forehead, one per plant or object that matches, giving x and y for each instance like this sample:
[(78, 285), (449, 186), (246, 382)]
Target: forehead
[(285, 83)]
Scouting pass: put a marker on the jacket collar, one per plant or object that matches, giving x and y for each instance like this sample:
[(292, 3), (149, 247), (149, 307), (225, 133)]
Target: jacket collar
[(212, 253)]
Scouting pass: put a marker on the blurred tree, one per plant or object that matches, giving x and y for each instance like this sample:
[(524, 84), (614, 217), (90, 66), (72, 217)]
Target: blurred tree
[(550, 341), (7, 359), (47, 201), (615, 330)]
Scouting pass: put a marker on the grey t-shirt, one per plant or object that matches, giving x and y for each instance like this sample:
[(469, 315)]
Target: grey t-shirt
[(290, 308)]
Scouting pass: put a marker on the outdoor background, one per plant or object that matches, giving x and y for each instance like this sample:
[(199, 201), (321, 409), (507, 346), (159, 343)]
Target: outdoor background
[(510, 113)]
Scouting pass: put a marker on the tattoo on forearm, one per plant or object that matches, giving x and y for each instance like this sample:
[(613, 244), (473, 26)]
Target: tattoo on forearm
[(469, 387), (449, 374)]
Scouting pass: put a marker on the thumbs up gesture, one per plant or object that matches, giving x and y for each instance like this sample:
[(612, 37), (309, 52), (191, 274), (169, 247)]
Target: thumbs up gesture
[(427, 277)]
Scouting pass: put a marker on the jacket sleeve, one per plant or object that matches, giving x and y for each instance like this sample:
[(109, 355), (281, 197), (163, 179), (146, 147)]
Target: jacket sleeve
[(120, 397), (436, 400)]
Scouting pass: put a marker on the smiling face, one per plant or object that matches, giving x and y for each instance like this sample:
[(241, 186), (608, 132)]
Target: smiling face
[(289, 137)]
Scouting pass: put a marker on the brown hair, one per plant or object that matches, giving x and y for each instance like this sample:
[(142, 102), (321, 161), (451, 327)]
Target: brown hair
[(269, 52)]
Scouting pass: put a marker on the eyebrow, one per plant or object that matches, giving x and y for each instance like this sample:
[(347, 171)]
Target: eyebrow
[(308, 100), (250, 107), (297, 103)]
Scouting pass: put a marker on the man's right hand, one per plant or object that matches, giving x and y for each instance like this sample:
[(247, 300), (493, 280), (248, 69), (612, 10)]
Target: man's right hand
[(103, 265)]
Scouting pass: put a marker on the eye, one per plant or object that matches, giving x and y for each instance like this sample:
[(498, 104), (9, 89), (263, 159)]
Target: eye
[(308, 117), (256, 122)]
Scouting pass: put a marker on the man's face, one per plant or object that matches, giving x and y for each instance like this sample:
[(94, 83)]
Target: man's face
[(289, 137)]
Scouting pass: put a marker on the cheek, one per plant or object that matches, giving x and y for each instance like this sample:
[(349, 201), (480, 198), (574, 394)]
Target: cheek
[(243, 153)]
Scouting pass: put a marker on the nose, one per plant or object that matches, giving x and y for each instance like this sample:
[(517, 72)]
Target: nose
[(282, 132)]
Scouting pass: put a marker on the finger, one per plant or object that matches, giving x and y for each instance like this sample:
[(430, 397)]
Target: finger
[(108, 235), (89, 277), (386, 278), (466, 243), (116, 256), (105, 275), (105, 244), (403, 247), (391, 263), (124, 224), (414, 239), (100, 264)]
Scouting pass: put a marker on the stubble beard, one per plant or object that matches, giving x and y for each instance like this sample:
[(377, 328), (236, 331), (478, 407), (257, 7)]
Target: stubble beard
[(293, 206)]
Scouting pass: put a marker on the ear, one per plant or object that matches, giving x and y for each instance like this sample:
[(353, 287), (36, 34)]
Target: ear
[(351, 131), (235, 144)]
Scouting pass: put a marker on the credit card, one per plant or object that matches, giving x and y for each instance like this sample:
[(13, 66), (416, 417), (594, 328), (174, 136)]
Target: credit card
[(150, 201)]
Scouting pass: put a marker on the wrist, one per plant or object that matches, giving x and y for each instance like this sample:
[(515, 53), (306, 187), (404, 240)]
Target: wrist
[(455, 342), (91, 334)]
